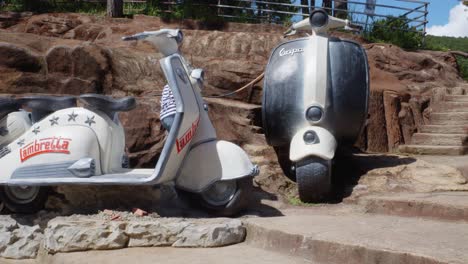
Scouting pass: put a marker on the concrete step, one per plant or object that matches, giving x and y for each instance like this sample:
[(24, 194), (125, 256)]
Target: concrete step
[(433, 150), (452, 107), (445, 129), (449, 118), (456, 98), (361, 238), (439, 139), (444, 206)]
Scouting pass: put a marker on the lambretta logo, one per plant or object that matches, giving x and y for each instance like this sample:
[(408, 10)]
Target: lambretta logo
[(45, 145), (291, 52), (187, 136)]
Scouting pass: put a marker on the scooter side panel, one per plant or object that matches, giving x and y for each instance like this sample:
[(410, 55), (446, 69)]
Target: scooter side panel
[(211, 162), (349, 80), (53, 146), (283, 107)]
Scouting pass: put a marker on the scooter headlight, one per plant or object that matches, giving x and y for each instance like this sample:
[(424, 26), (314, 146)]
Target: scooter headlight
[(314, 113), (180, 37), (318, 18)]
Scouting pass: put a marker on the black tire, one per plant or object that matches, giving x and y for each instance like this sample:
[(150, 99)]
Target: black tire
[(314, 180), (30, 206), (285, 163), (237, 204)]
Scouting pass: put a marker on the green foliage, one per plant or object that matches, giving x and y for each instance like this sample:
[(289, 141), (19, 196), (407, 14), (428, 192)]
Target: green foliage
[(446, 43), (394, 30), (463, 66), (451, 44)]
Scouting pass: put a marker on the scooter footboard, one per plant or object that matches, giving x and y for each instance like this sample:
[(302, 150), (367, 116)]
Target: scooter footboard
[(312, 141), (214, 161)]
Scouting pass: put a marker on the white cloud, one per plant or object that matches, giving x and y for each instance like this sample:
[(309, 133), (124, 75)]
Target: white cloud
[(457, 25)]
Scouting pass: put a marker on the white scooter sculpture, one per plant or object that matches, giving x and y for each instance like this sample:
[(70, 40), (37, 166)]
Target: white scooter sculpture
[(85, 146), (314, 100)]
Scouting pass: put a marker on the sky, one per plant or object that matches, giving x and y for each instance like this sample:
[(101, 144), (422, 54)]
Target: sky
[(445, 18)]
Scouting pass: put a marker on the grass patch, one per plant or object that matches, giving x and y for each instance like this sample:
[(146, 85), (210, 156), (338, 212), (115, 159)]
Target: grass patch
[(294, 200)]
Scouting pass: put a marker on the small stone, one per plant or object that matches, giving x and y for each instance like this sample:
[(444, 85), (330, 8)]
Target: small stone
[(139, 212)]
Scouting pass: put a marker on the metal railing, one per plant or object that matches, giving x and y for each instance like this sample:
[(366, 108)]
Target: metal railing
[(363, 12)]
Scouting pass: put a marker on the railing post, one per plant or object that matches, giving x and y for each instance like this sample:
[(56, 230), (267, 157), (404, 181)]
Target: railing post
[(425, 23)]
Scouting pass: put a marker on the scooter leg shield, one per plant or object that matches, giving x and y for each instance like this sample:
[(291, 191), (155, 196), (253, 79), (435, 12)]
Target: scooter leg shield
[(312, 141), (214, 161)]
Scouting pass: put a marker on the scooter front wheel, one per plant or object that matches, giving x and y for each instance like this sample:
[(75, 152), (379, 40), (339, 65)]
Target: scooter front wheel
[(313, 177), (24, 199)]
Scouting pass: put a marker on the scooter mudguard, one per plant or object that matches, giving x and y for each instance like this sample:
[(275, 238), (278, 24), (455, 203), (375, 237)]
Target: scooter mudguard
[(13, 125), (312, 141), (44, 153), (214, 161)]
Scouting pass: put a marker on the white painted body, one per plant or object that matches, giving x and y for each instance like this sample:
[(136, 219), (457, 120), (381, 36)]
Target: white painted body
[(314, 94), (325, 149), (192, 156)]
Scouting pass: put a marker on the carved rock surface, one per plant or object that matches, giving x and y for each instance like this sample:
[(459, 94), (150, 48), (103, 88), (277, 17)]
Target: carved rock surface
[(18, 241), (79, 233)]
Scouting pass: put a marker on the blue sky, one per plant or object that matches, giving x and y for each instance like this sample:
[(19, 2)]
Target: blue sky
[(445, 18), (439, 11)]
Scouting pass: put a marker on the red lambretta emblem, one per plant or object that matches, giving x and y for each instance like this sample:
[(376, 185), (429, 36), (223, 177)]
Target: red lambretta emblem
[(45, 145), (187, 136)]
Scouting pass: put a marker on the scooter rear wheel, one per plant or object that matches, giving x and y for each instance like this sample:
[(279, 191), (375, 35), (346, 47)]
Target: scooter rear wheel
[(24, 199), (313, 177)]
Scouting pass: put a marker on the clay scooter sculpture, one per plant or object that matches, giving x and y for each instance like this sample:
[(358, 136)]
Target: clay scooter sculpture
[(85, 146), (314, 101)]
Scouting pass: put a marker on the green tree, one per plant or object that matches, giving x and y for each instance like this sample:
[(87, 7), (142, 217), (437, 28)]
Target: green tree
[(395, 30)]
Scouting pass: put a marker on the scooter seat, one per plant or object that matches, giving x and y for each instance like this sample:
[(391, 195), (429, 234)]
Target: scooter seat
[(107, 104), (8, 105), (42, 106)]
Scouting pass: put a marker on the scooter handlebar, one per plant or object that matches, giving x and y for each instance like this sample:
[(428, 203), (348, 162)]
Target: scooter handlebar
[(320, 21), (165, 33)]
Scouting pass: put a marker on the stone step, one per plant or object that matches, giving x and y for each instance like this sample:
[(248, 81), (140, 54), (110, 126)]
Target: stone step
[(444, 206), (361, 238), (449, 118), (444, 129), (433, 150), (456, 98), (452, 107), (237, 254), (439, 139)]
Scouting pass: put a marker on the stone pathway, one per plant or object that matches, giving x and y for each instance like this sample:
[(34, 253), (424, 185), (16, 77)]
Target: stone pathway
[(447, 133), (351, 237)]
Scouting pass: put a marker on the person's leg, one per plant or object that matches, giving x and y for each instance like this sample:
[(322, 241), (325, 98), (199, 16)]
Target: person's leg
[(167, 122)]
